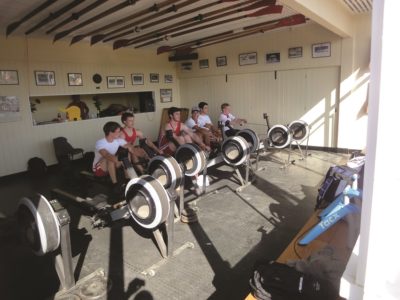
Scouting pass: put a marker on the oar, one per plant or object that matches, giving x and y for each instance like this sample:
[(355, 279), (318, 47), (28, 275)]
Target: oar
[(189, 22), (289, 21), (153, 8), (196, 21), (77, 15), (40, 8), (298, 19), (117, 34), (256, 28), (172, 8), (273, 9), (98, 17), (55, 15)]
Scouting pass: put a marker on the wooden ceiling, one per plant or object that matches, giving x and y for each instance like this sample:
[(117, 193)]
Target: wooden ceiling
[(165, 25)]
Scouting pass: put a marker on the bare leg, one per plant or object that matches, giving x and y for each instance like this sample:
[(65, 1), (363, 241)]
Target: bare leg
[(112, 171), (187, 139), (135, 161), (172, 147)]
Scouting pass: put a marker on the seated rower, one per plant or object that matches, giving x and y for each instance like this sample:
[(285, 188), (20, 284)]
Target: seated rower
[(174, 133), (146, 148), (193, 124), (205, 122), (228, 120), (105, 160)]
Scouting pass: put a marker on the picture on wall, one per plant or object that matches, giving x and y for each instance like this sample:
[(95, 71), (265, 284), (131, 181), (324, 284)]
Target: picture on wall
[(154, 77), (295, 52), (75, 79), (9, 109), (273, 57), (203, 63), (186, 66), (45, 78), (9, 77), (168, 78), (137, 78), (248, 58), (321, 50), (221, 61), (166, 95), (114, 82)]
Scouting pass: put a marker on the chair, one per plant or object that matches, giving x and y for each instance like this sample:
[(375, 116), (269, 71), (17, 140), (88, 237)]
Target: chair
[(64, 150)]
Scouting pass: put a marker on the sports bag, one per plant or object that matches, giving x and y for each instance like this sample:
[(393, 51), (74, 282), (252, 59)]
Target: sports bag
[(37, 167), (276, 281)]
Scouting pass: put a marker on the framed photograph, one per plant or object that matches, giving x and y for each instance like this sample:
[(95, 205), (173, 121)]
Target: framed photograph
[(273, 57), (221, 61), (166, 95), (114, 82), (321, 50), (137, 78), (247, 59), (186, 66), (9, 77), (75, 79), (203, 63), (9, 109), (168, 78), (295, 52), (154, 77), (45, 78)]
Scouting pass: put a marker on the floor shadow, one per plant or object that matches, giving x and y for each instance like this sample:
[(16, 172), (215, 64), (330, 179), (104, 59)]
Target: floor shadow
[(272, 242)]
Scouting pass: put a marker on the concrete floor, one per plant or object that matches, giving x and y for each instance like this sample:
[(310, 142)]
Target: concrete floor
[(233, 232)]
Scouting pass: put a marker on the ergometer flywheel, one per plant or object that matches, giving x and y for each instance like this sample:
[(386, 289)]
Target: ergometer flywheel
[(235, 150), (166, 170), (279, 136), (192, 158), (299, 130), (251, 138), (147, 201)]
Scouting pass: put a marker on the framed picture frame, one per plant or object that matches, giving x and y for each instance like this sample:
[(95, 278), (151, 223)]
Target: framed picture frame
[(248, 58), (75, 79), (137, 78), (45, 78), (295, 52), (165, 95), (221, 61), (273, 57), (321, 50), (115, 82), (186, 66), (9, 77), (168, 78), (203, 64), (154, 77)]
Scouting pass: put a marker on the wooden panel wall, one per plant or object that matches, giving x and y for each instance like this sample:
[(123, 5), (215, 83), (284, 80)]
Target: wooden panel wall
[(306, 94)]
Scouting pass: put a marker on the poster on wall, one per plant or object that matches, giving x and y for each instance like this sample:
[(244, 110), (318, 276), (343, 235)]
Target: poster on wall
[(9, 109)]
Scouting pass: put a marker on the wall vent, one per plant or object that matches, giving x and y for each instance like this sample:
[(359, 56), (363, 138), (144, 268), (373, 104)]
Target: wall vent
[(359, 6)]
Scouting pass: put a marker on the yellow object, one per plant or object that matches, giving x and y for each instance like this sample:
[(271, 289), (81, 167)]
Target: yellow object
[(73, 113)]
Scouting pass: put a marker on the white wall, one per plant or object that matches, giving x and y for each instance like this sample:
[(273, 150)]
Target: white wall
[(292, 95), (20, 140), (375, 272), (304, 88)]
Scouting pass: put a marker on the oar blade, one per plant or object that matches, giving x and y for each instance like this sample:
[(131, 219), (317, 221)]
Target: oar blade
[(10, 28), (97, 38)]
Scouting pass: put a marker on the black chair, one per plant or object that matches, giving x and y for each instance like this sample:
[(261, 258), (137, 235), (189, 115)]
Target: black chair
[(64, 150)]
